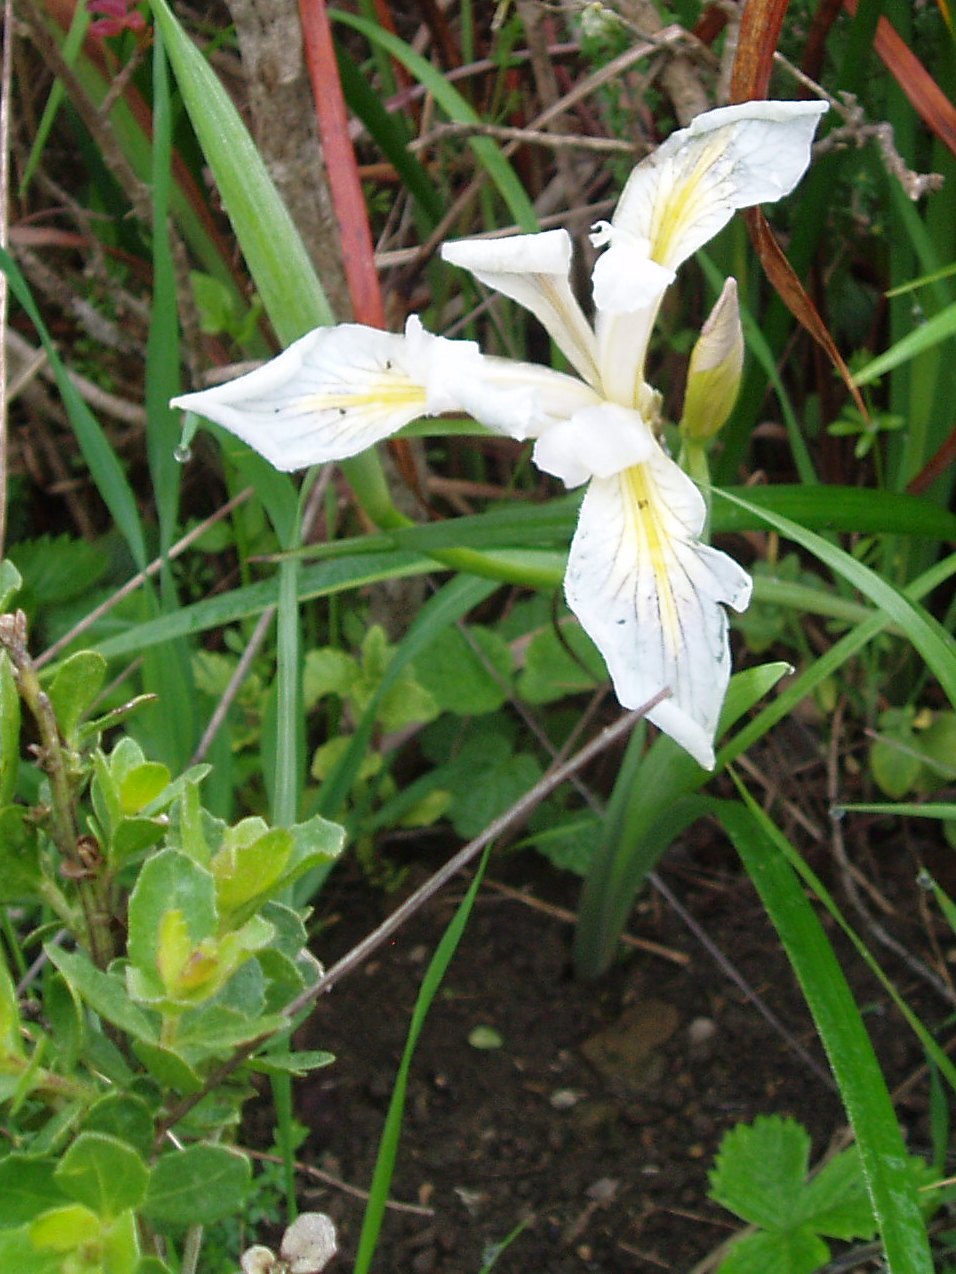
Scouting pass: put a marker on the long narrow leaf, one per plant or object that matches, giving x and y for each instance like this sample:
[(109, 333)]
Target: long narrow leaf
[(868, 1104), (290, 289), (926, 633), (388, 1146)]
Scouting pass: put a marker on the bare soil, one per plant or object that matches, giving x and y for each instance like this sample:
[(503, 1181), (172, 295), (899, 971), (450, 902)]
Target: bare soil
[(594, 1123)]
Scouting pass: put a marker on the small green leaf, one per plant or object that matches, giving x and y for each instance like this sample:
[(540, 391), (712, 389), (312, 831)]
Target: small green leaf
[(125, 1116), (468, 672), (558, 663), (63, 1229), (196, 1186), (836, 1202), (760, 1171), (169, 881), (11, 581), (20, 875), (168, 1069), (66, 1020), (290, 1063), (328, 671), (245, 871), (104, 1173), (58, 568), (28, 1187), (141, 785), (793, 1252), (485, 1038), (105, 993), (77, 683)]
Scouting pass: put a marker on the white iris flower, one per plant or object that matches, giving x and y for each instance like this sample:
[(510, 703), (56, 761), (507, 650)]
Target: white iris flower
[(645, 588)]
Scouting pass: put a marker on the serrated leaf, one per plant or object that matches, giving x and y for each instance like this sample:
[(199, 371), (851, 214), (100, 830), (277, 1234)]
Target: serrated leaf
[(835, 1200), (465, 680), (11, 581), (328, 671), (77, 683), (794, 1252), (104, 1173), (196, 1186), (760, 1171)]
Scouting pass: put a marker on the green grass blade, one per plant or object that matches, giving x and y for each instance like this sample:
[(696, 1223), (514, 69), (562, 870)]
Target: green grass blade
[(284, 276), (162, 347), (926, 633), (100, 458), (940, 327), (863, 1089), (904, 809), (456, 108), (839, 509), (388, 1146), (828, 664)]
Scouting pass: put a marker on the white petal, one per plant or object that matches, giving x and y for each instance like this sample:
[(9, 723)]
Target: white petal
[(688, 189), (337, 391), (596, 442), (522, 400), (652, 597), (625, 277), (309, 1243), (534, 269)]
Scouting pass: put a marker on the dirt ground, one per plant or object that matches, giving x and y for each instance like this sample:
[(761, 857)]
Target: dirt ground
[(592, 1126)]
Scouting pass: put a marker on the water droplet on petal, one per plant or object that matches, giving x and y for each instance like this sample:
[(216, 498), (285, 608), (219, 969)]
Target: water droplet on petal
[(183, 453)]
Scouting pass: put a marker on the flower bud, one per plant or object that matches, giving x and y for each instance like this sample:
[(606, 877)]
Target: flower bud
[(716, 363)]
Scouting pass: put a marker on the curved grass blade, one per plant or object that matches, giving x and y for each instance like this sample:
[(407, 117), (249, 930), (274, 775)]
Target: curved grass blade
[(929, 637), (765, 853), (936, 329)]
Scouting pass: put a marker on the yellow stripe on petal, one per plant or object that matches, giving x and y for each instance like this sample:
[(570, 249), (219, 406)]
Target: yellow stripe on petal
[(651, 597), (337, 391), (653, 547)]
